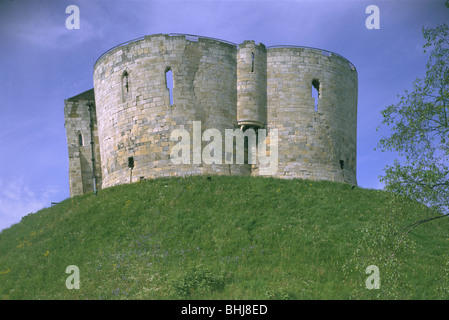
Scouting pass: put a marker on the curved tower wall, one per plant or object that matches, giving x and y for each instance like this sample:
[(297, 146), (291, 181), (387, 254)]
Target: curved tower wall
[(315, 142), (135, 116)]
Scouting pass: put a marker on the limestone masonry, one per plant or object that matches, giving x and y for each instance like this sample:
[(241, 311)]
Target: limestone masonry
[(148, 87)]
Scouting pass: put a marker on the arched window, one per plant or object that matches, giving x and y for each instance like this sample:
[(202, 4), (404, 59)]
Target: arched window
[(80, 140)]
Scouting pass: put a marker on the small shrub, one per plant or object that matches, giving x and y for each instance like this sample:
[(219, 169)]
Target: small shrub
[(197, 279), (280, 294)]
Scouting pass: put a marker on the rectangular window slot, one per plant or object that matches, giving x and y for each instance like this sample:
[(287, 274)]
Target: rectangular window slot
[(169, 83), (252, 61), (125, 81), (125, 86), (131, 162), (316, 92)]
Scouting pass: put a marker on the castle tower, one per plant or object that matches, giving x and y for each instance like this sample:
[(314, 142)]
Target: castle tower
[(149, 88), (251, 85), (312, 101), (137, 111)]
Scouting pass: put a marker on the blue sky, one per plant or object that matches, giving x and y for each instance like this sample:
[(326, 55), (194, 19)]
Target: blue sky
[(42, 63)]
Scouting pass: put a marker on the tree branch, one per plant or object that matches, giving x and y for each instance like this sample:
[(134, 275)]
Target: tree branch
[(413, 226)]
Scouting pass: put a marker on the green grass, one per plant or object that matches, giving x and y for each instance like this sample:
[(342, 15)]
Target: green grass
[(226, 238)]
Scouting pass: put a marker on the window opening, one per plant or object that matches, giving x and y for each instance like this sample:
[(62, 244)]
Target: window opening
[(169, 83), (131, 162), (80, 140), (316, 92), (125, 81), (252, 61)]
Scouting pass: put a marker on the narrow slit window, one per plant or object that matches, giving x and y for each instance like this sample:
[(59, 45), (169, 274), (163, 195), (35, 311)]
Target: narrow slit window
[(80, 140), (131, 162), (316, 92), (252, 61), (342, 164), (125, 82), (169, 83)]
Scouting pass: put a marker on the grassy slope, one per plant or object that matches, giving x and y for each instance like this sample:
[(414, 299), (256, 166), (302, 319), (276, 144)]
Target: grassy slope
[(226, 238)]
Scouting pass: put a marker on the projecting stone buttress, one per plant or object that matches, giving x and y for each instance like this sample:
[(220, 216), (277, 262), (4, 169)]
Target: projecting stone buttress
[(82, 135)]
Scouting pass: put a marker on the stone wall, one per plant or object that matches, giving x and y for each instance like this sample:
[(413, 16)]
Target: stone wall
[(77, 125)]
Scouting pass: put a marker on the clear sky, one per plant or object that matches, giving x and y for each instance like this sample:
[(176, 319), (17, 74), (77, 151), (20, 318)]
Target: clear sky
[(42, 63)]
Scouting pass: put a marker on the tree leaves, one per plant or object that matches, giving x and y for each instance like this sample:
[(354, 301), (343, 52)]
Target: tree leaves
[(419, 128)]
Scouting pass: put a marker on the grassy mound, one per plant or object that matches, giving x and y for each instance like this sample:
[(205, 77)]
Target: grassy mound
[(227, 238)]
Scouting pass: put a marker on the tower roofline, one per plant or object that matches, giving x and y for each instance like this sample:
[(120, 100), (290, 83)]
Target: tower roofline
[(323, 51), (86, 95), (190, 37)]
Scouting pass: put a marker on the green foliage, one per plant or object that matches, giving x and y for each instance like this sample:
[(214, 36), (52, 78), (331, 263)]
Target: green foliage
[(280, 294), (227, 238), (419, 125)]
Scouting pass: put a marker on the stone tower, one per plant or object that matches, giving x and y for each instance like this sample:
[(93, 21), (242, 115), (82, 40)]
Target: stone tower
[(149, 87), (317, 137)]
